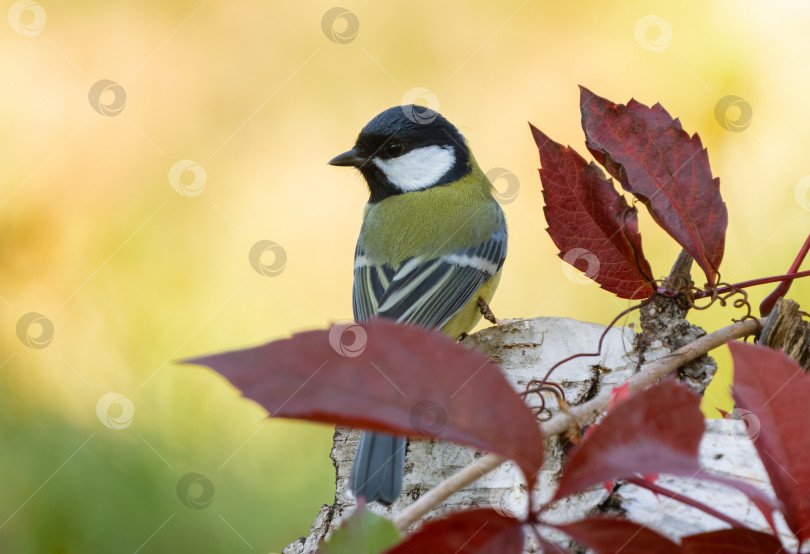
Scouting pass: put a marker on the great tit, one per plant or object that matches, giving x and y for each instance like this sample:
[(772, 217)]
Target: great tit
[(432, 243)]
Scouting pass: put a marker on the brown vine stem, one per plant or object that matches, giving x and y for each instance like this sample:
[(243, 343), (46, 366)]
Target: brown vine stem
[(576, 417)]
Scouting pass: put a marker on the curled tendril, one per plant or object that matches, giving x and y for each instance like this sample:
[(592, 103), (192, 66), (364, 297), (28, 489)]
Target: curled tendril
[(722, 293), (535, 386)]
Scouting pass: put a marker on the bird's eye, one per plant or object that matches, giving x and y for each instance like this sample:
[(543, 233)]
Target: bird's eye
[(395, 149)]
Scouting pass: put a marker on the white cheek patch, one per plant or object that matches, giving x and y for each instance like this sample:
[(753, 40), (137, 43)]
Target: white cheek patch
[(418, 169)]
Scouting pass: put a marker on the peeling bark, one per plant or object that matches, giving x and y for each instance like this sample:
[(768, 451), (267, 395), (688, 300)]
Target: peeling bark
[(787, 331)]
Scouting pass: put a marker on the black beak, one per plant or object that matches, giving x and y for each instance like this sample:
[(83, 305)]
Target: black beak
[(350, 158)]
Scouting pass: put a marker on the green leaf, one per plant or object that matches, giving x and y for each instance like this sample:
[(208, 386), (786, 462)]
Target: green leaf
[(363, 533)]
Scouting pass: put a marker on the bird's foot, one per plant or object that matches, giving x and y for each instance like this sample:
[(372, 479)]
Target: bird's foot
[(487, 313)]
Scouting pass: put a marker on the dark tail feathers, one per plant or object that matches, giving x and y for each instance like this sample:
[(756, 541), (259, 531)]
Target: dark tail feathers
[(378, 466)]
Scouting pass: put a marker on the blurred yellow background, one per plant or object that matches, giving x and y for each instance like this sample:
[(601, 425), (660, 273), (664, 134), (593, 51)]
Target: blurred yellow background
[(128, 209)]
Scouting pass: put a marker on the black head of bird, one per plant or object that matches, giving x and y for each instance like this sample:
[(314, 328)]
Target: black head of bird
[(407, 148)]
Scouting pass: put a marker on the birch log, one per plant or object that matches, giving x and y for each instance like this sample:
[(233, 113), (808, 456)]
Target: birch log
[(526, 349)]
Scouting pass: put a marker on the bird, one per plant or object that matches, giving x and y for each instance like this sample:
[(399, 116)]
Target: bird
[(432, 243)]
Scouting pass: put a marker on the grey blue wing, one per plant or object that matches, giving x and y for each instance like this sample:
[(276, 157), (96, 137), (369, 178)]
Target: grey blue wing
[(427, 292), (370, 283)]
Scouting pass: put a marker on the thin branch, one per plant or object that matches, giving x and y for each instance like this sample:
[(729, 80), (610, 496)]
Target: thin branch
[(576, 417)]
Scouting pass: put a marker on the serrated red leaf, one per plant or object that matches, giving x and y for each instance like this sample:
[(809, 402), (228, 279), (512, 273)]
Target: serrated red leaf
[(617, 395), (775, 389), (653, 158), (592, 225), (657, 430), (609, 535), (732, 541), (395, 378), (480, 531)]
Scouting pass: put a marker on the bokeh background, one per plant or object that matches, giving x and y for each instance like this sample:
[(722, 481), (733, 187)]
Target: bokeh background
[(149, 147)]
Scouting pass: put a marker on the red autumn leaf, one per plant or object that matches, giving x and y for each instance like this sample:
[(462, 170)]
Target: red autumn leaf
[(609, 535), (775, 389), (592, 225), (654, 159), (480, 531), (732, 541), (388, 377), (657, 430), (617, 396)]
